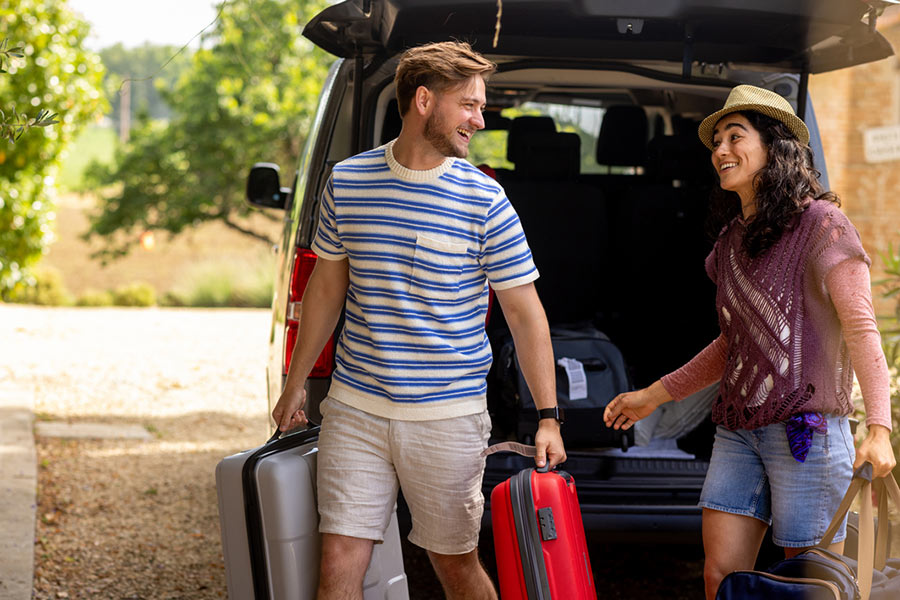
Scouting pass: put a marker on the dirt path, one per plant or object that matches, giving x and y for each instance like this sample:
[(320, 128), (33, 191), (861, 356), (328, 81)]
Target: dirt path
[(136, 519)]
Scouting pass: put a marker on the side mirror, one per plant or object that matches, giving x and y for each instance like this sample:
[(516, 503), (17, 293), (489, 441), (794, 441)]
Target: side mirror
[(264, 187)]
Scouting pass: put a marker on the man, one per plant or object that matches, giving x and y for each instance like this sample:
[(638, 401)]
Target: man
[(409, 237)]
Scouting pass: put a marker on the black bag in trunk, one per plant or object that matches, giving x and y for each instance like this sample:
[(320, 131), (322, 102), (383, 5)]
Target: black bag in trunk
[(595, 375)]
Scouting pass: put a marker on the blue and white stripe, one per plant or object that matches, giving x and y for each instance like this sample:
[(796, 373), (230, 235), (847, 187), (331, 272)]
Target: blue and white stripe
[(422, 247)]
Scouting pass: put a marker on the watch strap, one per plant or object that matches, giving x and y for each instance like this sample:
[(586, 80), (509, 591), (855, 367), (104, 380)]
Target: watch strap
[(551, 413)]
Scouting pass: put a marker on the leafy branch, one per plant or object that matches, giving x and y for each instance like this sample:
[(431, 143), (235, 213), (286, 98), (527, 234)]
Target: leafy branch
[(891, 287), (13, 128), (6, 54), (19, 123)]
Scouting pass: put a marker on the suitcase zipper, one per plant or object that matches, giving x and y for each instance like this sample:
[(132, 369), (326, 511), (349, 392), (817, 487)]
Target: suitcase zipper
[(840, 563), (821, 582), (534, 569), (258, 554)]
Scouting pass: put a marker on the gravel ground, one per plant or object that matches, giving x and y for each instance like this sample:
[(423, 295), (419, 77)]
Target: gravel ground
[(130, 520), (136, 519)]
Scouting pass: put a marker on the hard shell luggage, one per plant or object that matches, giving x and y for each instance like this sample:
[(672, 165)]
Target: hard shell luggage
[(539, 538), (590, 372), (270, 526)]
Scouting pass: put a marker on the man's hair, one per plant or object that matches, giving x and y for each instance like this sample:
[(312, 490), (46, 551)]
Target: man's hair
[(438, 66)]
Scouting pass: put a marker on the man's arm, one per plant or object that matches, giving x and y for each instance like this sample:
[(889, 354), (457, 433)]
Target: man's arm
[(531, 336), (323, 301)]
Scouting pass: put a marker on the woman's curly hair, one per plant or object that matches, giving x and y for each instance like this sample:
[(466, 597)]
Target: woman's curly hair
[(782, 187)]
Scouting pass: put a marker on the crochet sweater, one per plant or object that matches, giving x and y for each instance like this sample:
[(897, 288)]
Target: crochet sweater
[(783, 350)]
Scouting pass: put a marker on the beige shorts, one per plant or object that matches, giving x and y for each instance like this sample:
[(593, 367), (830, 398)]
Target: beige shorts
[(364, 459)]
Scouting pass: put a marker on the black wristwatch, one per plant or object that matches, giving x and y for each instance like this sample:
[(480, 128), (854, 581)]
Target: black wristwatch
[(551, 413)]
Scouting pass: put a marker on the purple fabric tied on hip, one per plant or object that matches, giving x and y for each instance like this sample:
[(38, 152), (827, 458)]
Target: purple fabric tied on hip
[(800, 429)]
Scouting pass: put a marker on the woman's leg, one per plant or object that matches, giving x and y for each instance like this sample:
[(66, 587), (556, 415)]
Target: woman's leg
[(736, 506), (730, 543)]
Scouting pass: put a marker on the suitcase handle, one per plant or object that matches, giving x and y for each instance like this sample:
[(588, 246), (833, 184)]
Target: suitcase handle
[(516, 447), (283, 434)]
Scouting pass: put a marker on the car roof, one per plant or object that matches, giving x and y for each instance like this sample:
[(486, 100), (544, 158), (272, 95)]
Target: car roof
[(779, 35)]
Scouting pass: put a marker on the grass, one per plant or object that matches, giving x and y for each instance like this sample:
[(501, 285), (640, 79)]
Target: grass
[(93, 143), (217, 282)]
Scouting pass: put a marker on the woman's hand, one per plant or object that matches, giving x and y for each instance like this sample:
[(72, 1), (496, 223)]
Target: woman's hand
[(626, 409), (876, 449)]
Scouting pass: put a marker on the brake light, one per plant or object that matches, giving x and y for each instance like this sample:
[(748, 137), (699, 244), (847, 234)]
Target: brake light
[(304, 262)]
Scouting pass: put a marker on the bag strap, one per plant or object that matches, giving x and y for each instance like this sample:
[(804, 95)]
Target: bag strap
[(861, 477), (872, 549), (885, 487)]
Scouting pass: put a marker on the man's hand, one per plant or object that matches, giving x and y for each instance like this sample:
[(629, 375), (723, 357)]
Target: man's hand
[(876, 449), (288, 412), (548, 443)]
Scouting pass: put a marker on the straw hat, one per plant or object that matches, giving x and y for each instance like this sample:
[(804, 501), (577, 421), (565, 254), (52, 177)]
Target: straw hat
[(748, 97)]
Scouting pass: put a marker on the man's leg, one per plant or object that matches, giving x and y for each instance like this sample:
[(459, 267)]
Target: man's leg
[(463, 576), (344, 563), (440, 468), (730, 543)]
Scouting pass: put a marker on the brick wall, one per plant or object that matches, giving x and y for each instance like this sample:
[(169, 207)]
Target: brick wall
[(847, 103)]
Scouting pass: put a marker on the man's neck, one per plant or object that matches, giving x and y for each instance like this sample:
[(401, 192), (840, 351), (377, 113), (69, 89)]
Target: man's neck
[(414, 152)]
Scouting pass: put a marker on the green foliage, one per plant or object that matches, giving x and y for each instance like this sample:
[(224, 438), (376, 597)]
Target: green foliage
[(219, 284), (54, 71), (891, 336), (12, 128), (135, 294), (142, 68), (249, 97), (94, 298), (95, 144), (7, 54), (45, 288)]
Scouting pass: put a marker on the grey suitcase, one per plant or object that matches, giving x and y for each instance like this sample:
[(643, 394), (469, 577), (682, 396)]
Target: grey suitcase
[(270, 526)]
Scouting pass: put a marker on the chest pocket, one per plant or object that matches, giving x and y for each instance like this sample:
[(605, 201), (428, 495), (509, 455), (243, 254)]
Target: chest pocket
[(437, 268)]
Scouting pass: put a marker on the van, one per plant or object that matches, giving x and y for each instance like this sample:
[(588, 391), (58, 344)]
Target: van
[(591, 128)]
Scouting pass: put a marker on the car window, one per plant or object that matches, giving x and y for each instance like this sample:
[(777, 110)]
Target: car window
[(488, 147)]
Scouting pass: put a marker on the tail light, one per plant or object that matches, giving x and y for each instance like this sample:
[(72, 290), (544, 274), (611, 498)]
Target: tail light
[(304, 262)]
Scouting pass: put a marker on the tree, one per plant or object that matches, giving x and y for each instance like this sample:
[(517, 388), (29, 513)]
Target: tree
[(249, 97), (55, 71), (141, 66)]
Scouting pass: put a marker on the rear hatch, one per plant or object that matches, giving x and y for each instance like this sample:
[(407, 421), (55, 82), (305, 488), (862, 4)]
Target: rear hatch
[(689, 42), (782, 35)]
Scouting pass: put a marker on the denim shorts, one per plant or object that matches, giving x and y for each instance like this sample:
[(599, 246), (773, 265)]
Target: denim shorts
[(753, 473)]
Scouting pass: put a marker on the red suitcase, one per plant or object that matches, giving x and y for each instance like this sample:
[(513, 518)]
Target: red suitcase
[(539, 538)]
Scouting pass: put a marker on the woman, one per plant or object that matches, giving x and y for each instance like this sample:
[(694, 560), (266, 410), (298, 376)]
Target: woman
[(795, 310)]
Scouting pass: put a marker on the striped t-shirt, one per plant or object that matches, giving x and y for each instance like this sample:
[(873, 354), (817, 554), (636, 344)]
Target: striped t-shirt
[(422, 247)]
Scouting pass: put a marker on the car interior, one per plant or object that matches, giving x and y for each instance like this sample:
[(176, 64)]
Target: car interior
[(611, 184)]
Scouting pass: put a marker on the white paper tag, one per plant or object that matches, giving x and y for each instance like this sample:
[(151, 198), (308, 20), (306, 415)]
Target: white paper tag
[(577, 379)]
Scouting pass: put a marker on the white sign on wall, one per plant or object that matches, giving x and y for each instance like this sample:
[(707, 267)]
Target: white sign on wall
[(882, 144)]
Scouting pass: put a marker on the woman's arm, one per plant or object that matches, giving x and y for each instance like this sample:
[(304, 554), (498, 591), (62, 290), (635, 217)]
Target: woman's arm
[(850, 289), (704, 369), (707, 367)]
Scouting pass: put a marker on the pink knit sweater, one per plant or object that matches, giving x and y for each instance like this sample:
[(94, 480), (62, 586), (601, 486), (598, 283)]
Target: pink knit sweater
[(793, 322)]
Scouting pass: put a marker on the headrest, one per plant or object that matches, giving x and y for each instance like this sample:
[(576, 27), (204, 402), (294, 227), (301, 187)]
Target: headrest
[(622, 141), (682, 156), (549, 155), (521, 129), (494, 120), (390, 129)]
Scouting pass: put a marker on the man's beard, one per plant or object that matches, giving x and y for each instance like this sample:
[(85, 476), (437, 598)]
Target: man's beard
[(440, 141)]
